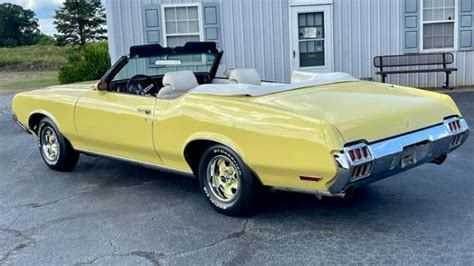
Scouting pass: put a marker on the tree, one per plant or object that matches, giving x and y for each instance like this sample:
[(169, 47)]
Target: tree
[(80, 21), (43, 39), (18, 26)]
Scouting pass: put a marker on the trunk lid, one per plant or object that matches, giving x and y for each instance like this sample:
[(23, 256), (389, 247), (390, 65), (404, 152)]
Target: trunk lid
[(363, 110)]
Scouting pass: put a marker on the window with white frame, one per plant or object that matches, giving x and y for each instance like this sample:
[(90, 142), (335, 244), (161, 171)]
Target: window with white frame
[(182, 24), (438, 24)]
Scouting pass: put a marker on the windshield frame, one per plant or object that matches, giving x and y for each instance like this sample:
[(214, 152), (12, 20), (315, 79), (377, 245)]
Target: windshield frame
[(150, 50)]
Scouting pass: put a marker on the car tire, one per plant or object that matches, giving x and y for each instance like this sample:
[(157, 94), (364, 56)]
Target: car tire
[(227, 182), (56, 151)]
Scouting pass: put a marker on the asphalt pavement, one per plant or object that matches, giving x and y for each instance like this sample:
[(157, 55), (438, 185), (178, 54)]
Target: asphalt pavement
[(108, 212)]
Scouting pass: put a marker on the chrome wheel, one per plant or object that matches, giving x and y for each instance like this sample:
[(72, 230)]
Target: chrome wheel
[(223, 178), (50, 144)]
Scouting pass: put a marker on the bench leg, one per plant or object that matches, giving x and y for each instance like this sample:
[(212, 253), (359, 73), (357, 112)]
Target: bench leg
[(383, 78), (446, 86)]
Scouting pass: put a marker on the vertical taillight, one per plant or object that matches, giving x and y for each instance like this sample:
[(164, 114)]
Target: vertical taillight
[(361, 160), (454, 125), (359, 154)]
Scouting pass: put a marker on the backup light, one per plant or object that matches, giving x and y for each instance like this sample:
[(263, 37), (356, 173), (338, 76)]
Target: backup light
[(362, 171), (456, 141)]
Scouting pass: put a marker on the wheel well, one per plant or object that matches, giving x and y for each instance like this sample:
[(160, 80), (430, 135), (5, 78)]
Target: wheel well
[(194, 151), (34, 120)]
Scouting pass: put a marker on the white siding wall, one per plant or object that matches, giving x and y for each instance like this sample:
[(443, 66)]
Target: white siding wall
[(255, 33), (367, 28)]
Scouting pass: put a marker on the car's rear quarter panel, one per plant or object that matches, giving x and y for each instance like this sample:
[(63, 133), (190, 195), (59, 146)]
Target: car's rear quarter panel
[(278, 146)]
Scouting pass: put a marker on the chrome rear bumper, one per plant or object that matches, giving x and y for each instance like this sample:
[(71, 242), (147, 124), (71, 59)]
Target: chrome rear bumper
[(392, 156)]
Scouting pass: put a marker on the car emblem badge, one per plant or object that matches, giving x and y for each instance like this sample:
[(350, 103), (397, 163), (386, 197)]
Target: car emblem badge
[(407, 124)]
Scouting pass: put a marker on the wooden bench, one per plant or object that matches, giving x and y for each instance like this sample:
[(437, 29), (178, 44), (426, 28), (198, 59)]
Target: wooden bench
[(431, 62)]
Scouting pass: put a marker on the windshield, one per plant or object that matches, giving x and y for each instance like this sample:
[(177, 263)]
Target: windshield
[(161, 64)]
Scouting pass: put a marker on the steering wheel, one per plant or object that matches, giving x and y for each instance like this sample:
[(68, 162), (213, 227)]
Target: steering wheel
[(135, 85)]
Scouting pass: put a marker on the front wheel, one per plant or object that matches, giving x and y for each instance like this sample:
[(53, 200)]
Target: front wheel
[(55, 150), (228, 184)]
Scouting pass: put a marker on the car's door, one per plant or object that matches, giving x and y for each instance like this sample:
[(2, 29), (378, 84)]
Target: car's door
[(116, 124)]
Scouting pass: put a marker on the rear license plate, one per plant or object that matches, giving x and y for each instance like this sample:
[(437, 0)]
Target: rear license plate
[(408, 156)]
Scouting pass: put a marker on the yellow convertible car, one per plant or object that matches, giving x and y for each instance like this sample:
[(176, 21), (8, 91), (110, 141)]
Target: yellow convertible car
[(324, 134)]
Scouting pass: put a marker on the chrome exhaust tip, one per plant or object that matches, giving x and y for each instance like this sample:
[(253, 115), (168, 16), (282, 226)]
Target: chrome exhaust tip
[(346, 194), (349, 192), (440, 159)]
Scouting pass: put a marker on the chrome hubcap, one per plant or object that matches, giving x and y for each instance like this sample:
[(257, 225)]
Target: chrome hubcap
[(223, 178), (50, 144)]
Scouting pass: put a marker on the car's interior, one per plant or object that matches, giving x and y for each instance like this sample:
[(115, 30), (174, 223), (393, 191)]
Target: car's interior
[(168, 73)]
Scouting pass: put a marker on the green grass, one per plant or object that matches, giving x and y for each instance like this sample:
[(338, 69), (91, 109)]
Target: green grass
[(35, 57), (28, 80)]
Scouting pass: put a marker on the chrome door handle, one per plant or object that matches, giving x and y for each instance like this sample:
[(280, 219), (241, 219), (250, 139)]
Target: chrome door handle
[(144, 110)]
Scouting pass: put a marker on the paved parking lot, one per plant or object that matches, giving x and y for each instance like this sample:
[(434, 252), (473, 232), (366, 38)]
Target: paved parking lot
[(108, 212)]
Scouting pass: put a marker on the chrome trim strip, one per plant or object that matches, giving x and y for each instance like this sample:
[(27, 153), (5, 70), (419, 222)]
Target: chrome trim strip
[(20, 124), (137, 162), (387, 154)]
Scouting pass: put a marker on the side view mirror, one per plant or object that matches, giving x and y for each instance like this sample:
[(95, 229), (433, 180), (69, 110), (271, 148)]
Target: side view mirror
[(101, 86)]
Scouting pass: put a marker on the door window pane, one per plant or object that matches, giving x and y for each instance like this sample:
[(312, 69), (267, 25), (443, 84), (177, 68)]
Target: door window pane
[(311, 37), (311, 25), (312, 53)]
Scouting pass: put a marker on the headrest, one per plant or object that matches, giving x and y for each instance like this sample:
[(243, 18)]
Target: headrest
[(245, 76), (300, 76), (180, 80)]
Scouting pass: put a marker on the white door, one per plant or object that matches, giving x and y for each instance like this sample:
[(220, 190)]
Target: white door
[(311, 38)]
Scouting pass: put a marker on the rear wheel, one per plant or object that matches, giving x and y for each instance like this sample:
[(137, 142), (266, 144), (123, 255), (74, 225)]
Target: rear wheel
[(228, 184), (55, 150)]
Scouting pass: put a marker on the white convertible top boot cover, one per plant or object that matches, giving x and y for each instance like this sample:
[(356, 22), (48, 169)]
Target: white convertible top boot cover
[(253, 90)]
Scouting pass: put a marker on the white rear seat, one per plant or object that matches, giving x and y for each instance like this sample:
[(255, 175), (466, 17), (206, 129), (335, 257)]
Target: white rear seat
[(177, 84), (300, 76), (244, 76)]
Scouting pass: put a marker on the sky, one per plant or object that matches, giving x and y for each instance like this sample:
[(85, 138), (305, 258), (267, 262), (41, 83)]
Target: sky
[(44, 10)]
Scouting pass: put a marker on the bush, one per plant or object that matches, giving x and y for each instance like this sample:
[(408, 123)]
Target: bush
[(88, 63), (43, 39)]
